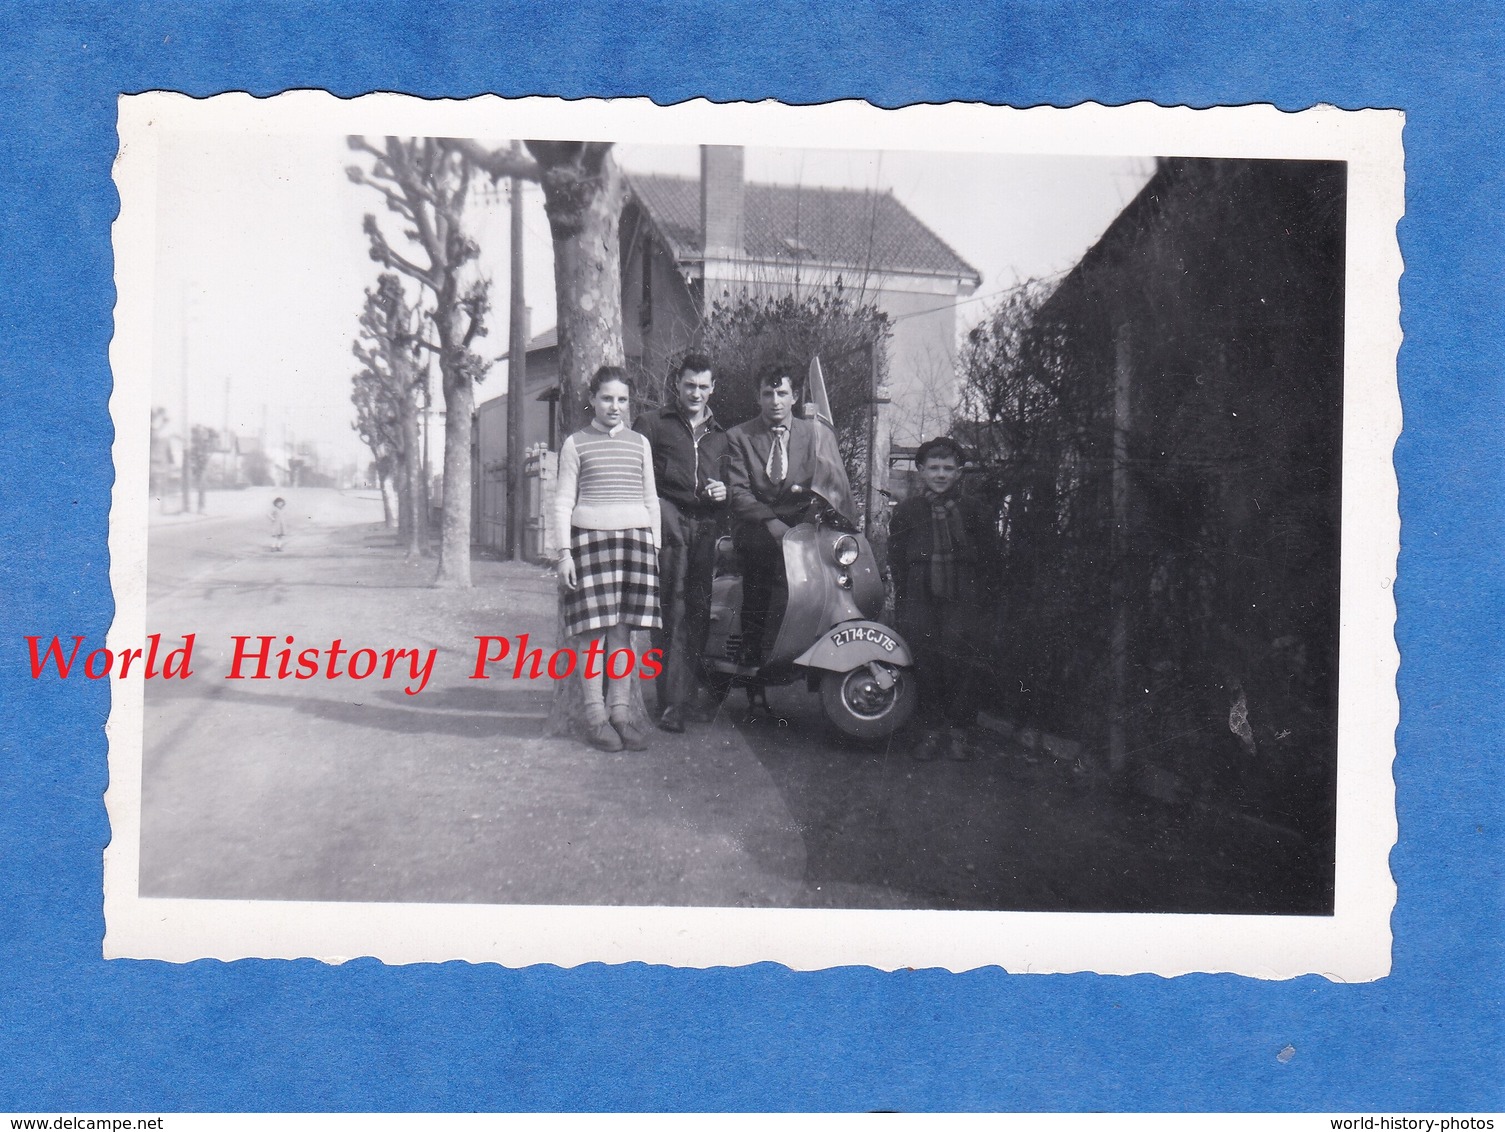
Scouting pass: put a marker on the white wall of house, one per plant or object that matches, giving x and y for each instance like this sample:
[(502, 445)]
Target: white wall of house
[(922, 353), (922, 385), (664, 300), (651, 343)]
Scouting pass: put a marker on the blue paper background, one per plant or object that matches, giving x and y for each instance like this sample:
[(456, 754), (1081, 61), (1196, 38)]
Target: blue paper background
[(80, 1034)]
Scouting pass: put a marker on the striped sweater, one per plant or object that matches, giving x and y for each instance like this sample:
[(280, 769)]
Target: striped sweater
[(605, 482)]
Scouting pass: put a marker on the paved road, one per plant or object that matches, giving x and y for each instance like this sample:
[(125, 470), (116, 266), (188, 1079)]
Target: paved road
[(337, 789)]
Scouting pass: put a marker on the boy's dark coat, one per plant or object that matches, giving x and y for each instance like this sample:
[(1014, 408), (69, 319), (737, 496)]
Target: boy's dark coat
[(910, 541)]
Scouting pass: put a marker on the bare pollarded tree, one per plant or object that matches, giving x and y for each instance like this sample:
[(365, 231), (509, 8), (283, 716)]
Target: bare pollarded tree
[(426, 182), (387, 394), (583, 193), (583, 197), (376, 422)]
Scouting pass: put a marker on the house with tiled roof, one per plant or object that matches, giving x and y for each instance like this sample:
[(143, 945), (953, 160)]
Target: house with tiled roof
[(687, 241)]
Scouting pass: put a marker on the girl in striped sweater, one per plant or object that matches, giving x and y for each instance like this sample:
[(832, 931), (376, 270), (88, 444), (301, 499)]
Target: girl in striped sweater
[(607, 500)]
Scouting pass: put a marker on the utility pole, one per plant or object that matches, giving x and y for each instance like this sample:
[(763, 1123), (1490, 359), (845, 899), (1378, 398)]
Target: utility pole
[(517, 374)]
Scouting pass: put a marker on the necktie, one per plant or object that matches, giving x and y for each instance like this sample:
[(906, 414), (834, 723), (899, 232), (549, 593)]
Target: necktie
[(777, 459)]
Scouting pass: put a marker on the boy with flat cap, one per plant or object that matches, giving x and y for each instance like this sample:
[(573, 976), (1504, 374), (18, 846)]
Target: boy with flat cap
[(942, 553)]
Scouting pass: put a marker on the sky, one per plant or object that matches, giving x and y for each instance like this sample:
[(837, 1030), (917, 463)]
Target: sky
[(262, 264)]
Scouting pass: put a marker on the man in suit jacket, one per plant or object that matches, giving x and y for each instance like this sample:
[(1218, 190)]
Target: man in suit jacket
[(779, 469)]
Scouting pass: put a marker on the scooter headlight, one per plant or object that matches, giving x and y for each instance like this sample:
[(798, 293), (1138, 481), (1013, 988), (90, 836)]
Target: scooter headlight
[(845, 550)]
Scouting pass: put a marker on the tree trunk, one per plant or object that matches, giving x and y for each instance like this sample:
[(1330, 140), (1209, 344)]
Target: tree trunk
[(454, 536), (404, 504), (389, 501), (459, 405), (415, 533), (425, 181), (588, 291), (583, 196)]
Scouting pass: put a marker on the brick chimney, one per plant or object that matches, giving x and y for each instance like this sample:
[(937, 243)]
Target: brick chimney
[(721, 201)]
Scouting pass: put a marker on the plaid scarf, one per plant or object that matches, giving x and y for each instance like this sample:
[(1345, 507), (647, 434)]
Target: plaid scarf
[(948, 545)]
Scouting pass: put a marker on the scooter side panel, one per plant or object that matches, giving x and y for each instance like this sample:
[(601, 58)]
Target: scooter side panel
[(867, 584), (813, 598), (725, 631)]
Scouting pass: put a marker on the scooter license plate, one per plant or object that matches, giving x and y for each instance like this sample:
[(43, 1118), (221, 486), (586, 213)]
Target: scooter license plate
[(864, 635)]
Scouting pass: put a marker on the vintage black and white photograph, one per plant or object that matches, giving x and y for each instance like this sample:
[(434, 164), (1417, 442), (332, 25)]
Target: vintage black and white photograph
[(555, 532)]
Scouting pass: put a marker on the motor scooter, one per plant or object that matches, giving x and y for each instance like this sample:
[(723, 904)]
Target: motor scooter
[(861, 668)]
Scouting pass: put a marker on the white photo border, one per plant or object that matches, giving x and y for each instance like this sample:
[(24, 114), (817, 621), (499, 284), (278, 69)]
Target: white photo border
[(1354, 944)]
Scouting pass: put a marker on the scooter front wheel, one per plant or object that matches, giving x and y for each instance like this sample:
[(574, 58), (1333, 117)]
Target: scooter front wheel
[(859, 705)]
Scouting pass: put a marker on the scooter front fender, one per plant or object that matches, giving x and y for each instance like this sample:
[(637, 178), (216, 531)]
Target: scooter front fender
[(852, 644)]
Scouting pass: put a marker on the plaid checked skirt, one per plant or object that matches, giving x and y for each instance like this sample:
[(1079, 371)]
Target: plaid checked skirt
[(617, 575)]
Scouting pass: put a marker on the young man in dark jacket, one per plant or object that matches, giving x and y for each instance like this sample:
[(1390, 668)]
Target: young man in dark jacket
[(942, 553), (689, 447)]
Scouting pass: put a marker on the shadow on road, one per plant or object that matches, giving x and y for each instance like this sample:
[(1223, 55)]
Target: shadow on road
[(1010, 831), (482, 713), (336, 789)]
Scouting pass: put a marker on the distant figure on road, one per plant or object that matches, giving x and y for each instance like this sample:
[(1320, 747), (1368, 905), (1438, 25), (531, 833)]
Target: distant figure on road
[(279, 527), (605, 497), (942, 547), (688, 448)]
